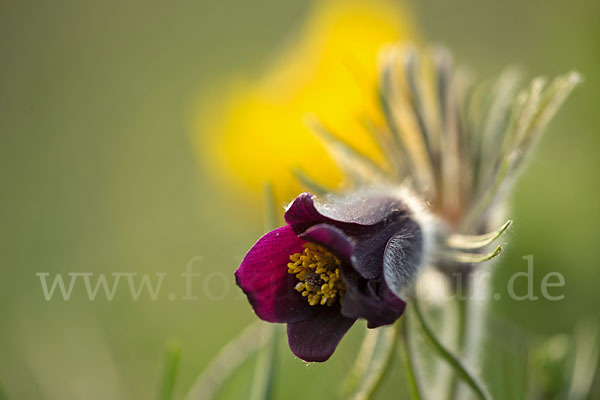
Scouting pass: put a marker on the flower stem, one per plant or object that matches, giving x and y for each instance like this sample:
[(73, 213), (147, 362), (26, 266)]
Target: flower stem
[(462, 303), (409, 359), (454, 362)]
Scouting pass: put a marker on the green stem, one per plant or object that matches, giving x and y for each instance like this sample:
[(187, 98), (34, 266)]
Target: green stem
[(462, 303), (454, 362), (409, 359), (262, 383), (170, 372)]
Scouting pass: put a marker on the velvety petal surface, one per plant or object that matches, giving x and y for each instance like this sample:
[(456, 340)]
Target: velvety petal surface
[(362, 207), (367, 219), (365, 207), (402, 257), (316, 338), (369, 246), (264, 278), (370, 299), (334, 239), (301, 214), (361, 246)]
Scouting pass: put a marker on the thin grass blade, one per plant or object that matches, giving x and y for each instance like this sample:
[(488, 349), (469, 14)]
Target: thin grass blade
[(264, 371), (586, 360), (468, 377), (371, 363), (227, 361), (173, 354), (409, 356)]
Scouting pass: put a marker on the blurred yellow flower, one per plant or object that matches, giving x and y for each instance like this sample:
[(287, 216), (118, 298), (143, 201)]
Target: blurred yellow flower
[(257, 133)]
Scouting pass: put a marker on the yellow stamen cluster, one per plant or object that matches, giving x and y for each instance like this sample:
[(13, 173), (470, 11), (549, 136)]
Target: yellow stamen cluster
[(319, 274)]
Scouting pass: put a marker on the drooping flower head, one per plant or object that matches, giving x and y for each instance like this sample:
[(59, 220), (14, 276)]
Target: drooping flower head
[(336, 260), (452, 149)]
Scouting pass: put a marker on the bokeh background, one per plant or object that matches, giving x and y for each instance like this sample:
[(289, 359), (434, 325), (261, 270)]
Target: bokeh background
[(101, 173)]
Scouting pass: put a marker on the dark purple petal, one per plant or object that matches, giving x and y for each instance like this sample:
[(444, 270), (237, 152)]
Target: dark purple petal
[(362, 222), (316, 338), (361, 246), (264, 278), (403, 257), (370, 299), (302, 214), (332, 238), (369, 246), (363, 208)]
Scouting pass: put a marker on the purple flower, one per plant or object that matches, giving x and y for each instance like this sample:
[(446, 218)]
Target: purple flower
[(335, 261)]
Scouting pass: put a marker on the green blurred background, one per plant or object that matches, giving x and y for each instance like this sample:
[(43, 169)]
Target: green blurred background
[(99, 174)]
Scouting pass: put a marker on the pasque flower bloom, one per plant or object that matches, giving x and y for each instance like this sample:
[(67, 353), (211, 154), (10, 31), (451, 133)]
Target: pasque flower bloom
[(452, 150), (336, 260)]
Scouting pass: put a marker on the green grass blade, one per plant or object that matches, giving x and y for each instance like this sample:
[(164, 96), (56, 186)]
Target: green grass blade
[(371, 364), (173, 353), (227, 361), (587, 350), (410, 359), (469, 378), (264, 371)]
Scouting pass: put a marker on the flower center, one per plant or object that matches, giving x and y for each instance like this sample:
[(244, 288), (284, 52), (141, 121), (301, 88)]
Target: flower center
[(318, 271)]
